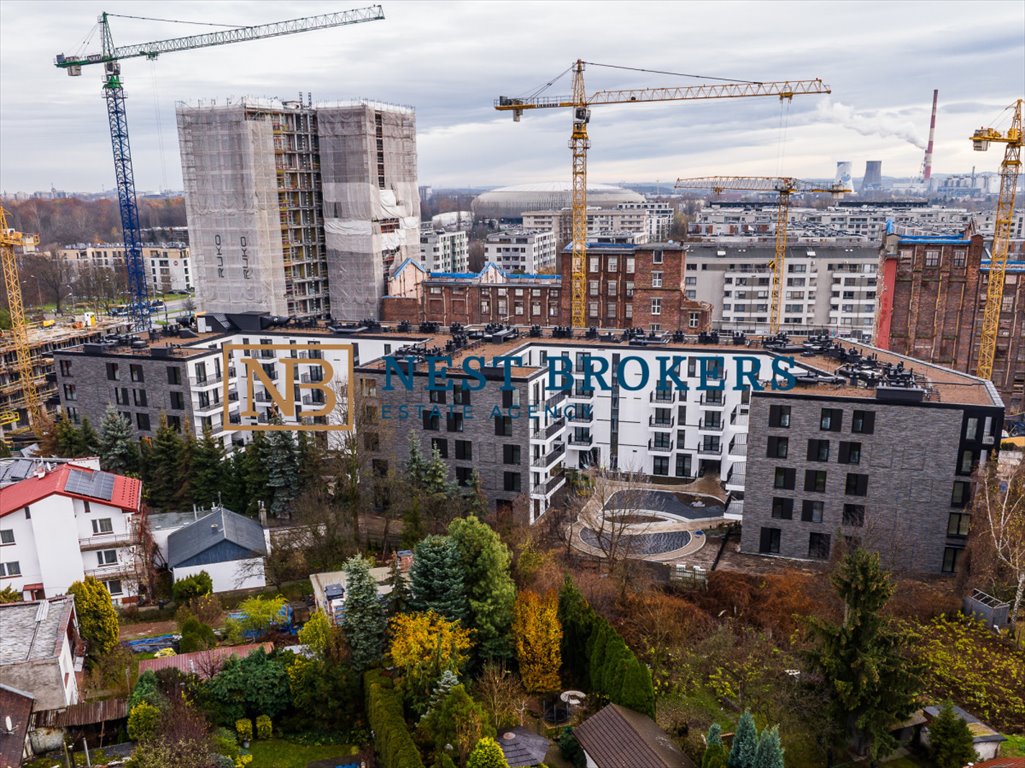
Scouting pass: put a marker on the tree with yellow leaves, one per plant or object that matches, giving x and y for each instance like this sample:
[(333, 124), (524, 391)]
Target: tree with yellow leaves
[(537, 634), (425, 645)]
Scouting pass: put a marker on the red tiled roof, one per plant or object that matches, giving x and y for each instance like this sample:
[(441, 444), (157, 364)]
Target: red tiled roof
[(127, 492), (1002, 762), (206, 664)]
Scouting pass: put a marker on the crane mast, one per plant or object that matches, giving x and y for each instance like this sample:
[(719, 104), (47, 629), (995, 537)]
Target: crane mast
[(1009, 170), (784, 187), (579, 143), (110, 57)]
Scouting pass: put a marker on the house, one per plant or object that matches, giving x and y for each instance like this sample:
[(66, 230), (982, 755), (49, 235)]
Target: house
[(985, 739), (15, 711), (618, 737), (66, 522), (523, 748), (229, 547), (41, 650), (329, 588), (205, 664)]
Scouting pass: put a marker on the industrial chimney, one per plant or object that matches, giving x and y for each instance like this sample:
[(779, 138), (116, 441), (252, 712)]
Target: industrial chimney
[(927, 162)]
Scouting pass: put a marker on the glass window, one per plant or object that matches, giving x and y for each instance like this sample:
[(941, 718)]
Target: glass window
[(102, 525), (958, 524), (511, 481), (951, 559), (863, 422), (856, 485), (769, 539), (818, 450), (6, 536), (440, 445), (432, 421), (464, 476), (779, 416), (661, 465), (815, 480), (778, 447), (464, 450), (850, 453), (811, 511), (510, 454), (960, 495), (818, 546), (854, 515), (831, 419), (782, 508)]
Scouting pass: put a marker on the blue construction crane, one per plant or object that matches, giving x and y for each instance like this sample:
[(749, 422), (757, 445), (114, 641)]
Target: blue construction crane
[(114, 94)]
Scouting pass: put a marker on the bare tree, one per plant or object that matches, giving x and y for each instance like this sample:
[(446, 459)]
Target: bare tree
[(501, 694), (49, 275), (611, 511)]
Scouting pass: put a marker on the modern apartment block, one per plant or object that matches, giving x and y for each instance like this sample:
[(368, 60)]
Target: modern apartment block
[(168, 266), (638, 220), (828, 284), (299, 210), (521, 251), (442, 251)]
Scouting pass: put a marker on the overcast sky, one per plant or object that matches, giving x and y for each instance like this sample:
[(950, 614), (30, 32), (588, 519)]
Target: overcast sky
[(450, 60)]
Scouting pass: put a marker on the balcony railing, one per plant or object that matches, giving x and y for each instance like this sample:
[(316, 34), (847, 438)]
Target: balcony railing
[(548, 487), (711, 400), (581, 394), (581, 441), (708, 450), (553, 428), (654, 421), (549, 458), (661, 446), (106, 540), (738, 447), (556, 398), (662, 396), (707, 426)]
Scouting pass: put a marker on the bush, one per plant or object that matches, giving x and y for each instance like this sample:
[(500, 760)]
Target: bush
[(384, 712), (97, 619), (225, 744), (264, 727), (196, 636), (146, 690), (191, 587), (143, 721), (244, 729)]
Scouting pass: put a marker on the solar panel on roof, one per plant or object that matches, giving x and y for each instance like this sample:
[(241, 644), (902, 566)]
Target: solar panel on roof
[(98, 485)]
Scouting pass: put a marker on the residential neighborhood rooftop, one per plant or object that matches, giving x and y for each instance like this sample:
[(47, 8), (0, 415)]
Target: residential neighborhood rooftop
[(34, 630)]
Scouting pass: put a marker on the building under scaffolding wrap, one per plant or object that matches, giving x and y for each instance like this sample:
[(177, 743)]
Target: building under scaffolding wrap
[(296, 209)]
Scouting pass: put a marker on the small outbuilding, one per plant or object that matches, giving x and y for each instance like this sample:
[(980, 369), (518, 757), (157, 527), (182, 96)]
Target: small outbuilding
[(523, 748), (618, 737), (985, 739), (229, 547), (15, 711)]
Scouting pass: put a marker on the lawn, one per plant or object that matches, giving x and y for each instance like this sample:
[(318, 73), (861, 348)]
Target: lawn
[(1013, 747), (278, 753)]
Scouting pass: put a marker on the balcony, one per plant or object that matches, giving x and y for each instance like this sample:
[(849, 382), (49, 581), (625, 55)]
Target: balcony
[(706, 449), (556, 398), (712, 400), (736, 475), (552, 429), (581, 441), (545, 461), (106, 541), (579, 393), (550, 486), (738, 446), (662, 396), (660, 446), (310, 378), (706, 425), (654, 421), (739, 418)]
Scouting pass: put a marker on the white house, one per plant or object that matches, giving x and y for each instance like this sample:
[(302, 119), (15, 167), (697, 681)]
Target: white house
[(65, 523), (229, 547)]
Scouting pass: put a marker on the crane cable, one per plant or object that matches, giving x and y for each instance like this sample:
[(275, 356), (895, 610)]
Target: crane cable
[(674, 74), (784, 125), (171, 21), (159, 122)]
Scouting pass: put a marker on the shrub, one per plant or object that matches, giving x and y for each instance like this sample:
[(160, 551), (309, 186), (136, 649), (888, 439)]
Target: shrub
[(264, 727), (244, 729), (143, 721), (196, 636), (97, 619), (191, 587), (146, 690), (384, 712), (225, 743)]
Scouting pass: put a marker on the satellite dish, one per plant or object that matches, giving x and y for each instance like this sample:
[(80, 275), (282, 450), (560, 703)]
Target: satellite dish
[(8, 725)]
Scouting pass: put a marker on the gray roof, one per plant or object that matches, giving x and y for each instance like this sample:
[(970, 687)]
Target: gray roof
[(33, 631), (618, 737), (221, 525), (523, 748), (19, 468)]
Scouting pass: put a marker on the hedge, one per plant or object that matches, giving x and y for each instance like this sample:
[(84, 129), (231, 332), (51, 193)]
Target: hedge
[(384, 712)]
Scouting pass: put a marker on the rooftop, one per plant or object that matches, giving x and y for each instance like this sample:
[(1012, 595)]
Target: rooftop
[(523, 748), (35, 630), (210, 530), (621, 738), (17, 705), (205, 664), (75, 482)]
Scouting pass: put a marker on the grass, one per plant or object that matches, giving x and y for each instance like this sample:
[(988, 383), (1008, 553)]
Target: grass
[(1013, 747), (278, 753)]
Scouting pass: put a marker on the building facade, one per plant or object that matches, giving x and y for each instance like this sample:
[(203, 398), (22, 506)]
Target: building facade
[(442, 251), (521, 251), (168, 266), (299, 210)]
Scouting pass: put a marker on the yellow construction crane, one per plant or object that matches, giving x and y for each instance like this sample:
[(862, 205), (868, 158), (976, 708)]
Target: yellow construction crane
[(579, 143), (784, 187), (19, 329), (1009, 170)]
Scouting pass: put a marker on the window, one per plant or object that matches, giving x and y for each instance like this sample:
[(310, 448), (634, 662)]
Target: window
[(432, 421), (951, 556), (114, 587), (863, 422), (175, 423), (106, 557), (510, 454), (831, 420), (177, 401), (785, 478), (592, 287), (967, 462), (815, 480), (135, 372), (779, 416), (656, 279), (380, 467), (854, 515), (818, 546), (782, 508), (461, 395), (613, 263), (811, 511), (957, 525), (961, 493), (201, 372), (142, 421), (454, 422), (660, 465), (511, 481), (856, 485), (818, 450), (656, 257), (121, 395), (768, 543), (69, 392), (592, 264), (629, 265), (850, 453), (932, 258), (12, 568), (656, 306), (371, 441), (682, 465), (464, 450), (102, 525), (464, 476), (65, 367), (437, 396), (511, 398), (6, 536), (113, 372), (959, 259), (440, 445), (139, 396), (778, 447), (503, 426)]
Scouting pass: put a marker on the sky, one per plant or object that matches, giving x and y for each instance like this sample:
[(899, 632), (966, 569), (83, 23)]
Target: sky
[(450, 60)]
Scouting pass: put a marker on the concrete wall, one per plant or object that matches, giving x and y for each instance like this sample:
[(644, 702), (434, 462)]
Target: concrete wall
[(229, 576)]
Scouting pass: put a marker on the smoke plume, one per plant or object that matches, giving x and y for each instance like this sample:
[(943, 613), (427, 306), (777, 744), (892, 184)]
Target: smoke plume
[(871, 123)]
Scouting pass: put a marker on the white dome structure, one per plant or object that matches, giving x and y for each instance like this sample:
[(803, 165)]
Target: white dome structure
[(511, 202)]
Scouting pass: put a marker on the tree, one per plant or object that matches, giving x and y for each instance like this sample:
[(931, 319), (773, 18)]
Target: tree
[(196, 636), (118, 451), (490, 590), (635, 690), (745, 743), (143, 721), (192, 587), (208, 470), (715, 751), (501, 695), (167, 467), (260, 614), (10, 595), (537, 635), (255, 685), (423, 646), (97, 619), (950, 740), (457, 720), (487, 754), (315, 634), (577, 619), (88, 440), (282, 471), (437, 578), (770, 751), (363, 621), (870, 682), (398, 598)]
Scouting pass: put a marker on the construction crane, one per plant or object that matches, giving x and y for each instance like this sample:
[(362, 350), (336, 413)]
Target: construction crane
[(1009, 170), (9, 238), (784, 187), (579, 143), (113, 92)]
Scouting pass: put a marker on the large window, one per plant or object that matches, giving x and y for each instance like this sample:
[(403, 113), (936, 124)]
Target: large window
[(106, 557), (785, 478), (951, 559), (510, 454), (464, 450), (818, 546), (464, 476), (102, 525), (782, 508), (511, 482), (961, 493), (850, 453), (815, 480), (818, 450), (957, 525), (831, 420), (432, 421), (811, 511), (863, 422), (661, 465), (856, 485), (503, 426), (768, 543), (779, 416), (454, 422), (6, 536), (854, 515)]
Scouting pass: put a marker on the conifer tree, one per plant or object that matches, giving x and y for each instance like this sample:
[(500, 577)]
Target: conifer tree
[(745, 744), (951, 744), (167, 462), (715, 750), (254, 466), (416, 466), (209, 471), (282, 471), (119, 453), (770, 751), (363, 621), (635, 690), (398, 597), (67, 440), (87, 441), (437, 578)]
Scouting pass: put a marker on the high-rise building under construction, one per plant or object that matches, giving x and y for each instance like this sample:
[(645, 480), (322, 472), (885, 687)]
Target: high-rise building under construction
[(296, 209)]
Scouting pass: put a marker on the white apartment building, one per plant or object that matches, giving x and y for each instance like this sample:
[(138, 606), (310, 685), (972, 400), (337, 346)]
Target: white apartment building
[(599, 221), (442, 251), (523, 251), (66, 523), (828, 285), (660, 218), (168, 266)]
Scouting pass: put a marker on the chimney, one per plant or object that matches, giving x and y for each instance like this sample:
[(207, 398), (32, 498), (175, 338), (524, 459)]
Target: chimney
[(927, 162)]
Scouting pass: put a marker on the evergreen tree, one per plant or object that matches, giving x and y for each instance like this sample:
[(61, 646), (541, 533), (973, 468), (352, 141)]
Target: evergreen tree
[(715, 750), (445, 684), (950, 740), (437, 578), (209, 471), (97, 618), (254, 469), (87, 440), (67, 439), (636, 690), (435, 481), (398, 597), (282, 471), (745, 744), (416, 466), (489, 586), (870, 682), (577, 620), (118, 451), (770, 751), (363, 621), (167, 462), (487, 754), (234, 495), (413, 528)]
